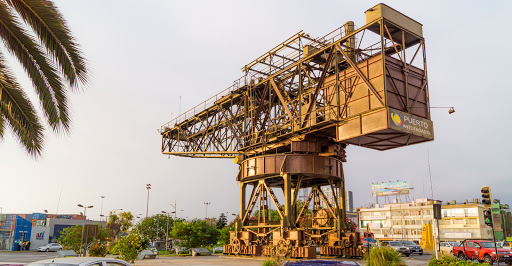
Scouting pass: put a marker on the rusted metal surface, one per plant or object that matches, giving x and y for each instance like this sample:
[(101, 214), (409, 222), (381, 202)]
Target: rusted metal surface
[(287, 123), (303, 164), (338, 86)]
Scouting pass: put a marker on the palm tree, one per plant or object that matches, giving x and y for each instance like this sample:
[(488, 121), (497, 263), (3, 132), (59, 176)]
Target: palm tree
[(35, 33)]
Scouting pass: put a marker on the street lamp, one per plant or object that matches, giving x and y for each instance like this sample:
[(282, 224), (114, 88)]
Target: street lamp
[(175, 211), (206, 203), (167, 233), (451, 109), (101, 210), (83, 229), (148, 187)]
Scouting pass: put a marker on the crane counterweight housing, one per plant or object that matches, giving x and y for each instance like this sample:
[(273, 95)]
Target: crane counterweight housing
[(289, 118)]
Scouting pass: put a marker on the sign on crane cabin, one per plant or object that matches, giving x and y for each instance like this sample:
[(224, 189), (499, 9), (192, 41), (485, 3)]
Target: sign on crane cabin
[(398, 114)]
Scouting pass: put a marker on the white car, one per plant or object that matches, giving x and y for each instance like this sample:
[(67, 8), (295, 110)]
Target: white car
[(81, 261), (505, 245), (448, 246), (50, 247)]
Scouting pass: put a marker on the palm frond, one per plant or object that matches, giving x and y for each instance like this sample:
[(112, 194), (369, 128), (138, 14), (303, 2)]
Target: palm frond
[(42, 73), (16, 109), (49, 25), (2, 130)]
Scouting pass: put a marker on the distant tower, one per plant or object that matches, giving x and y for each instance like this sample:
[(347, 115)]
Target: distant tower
[(349, 202)]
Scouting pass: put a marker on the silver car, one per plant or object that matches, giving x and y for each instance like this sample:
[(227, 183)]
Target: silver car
[(447, 247), (398, 246), (81, 261), (50, 247)]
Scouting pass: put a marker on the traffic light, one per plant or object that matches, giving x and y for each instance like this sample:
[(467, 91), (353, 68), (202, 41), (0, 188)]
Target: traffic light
[(488, 217), (486, 196)]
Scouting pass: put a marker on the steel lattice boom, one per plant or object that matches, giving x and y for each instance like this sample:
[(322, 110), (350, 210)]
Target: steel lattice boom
[(311, 86)]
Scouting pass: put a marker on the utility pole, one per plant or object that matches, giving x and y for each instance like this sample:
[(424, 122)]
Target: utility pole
[(206, 203), (82, 250), (175, 210), (167, 233), (101, 210), (148, 187)]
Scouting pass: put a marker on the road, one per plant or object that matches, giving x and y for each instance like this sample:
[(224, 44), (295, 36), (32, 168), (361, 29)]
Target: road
[(27, 257)]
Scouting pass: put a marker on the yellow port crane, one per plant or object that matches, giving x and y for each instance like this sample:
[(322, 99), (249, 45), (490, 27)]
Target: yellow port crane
[(289, 118)]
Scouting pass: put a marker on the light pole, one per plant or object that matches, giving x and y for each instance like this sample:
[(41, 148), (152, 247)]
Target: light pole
[(82, 251), (206, 203), (148, 187), (167, 233), (101, 210), (175, 210)]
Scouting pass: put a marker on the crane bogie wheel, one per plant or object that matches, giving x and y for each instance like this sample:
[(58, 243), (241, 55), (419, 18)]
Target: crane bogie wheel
[(236, 246)]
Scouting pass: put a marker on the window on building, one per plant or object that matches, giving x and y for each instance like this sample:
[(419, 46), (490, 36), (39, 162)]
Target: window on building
[(458, 221), (472, 211)]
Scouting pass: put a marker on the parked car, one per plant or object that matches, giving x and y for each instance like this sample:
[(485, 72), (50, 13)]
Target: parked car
[(81, 261), (50, 247), (415, 248), (448, 246), (321, 263), (505, 245), (481, 250), (397, 245)]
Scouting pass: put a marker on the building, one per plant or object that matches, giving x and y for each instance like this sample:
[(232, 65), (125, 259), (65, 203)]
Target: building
[(349, 201), (39, 228), (395, 221), (55, 226), (502, 219)]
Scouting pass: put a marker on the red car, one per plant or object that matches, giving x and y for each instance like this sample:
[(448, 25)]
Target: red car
[(481, 250)]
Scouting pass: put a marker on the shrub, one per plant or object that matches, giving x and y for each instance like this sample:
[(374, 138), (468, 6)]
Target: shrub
[(98, 249), (446, 260), (383, 256), (128, 247), (273, 262)]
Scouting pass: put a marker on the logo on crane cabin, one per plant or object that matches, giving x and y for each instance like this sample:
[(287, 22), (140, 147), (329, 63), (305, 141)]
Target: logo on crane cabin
[(397, 119)]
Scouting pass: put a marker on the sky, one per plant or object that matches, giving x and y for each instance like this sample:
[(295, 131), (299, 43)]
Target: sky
[(146, 55)]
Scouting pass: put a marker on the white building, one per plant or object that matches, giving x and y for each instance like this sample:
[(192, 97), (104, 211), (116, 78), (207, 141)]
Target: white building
[(396, 221)]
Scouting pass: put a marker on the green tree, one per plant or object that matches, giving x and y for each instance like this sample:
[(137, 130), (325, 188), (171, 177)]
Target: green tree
[(119, 224), (195, 233), (70, 237), (131, 245), (155, 227), (224, 233), (222, 221), (35, 33)]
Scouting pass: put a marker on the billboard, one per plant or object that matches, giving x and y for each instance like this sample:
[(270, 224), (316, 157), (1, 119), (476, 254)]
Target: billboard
[(390, 188)]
